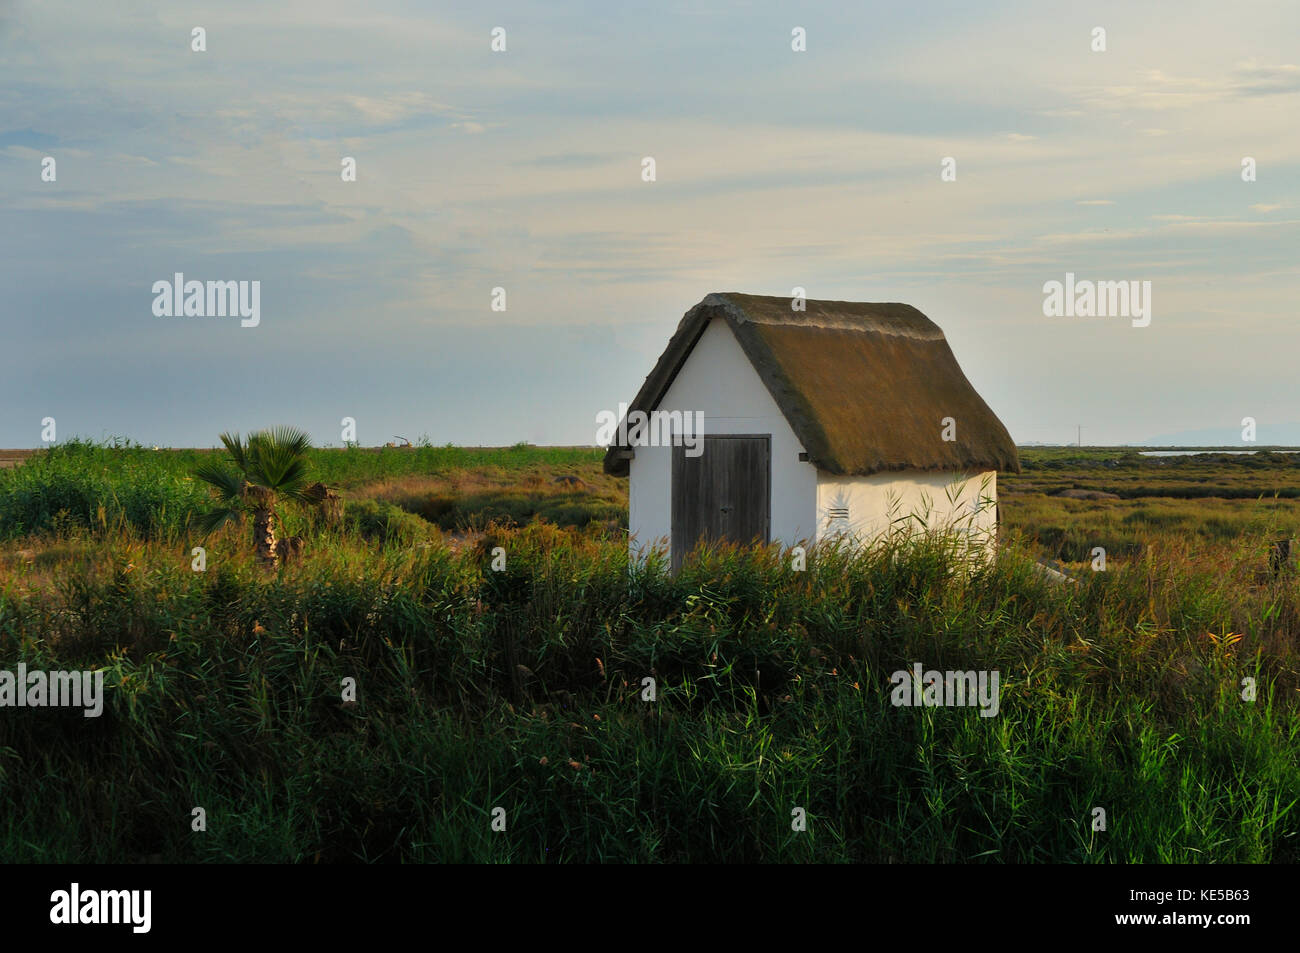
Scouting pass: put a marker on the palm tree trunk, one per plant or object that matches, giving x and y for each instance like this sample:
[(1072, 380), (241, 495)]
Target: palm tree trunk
[(264, 537)]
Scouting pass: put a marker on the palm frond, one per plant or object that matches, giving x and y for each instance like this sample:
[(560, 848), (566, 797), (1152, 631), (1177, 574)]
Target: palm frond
[(228, 485), (277, 459), (237, 450), (271, 463), (212, 520), (293, 482), (293, 439)]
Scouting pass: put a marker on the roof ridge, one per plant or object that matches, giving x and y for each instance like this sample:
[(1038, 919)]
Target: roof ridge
[(867, 316)]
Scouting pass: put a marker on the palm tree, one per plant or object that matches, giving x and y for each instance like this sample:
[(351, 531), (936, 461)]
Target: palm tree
[(271, 467)]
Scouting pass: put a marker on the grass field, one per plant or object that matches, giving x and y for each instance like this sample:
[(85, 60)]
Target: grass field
[(1211, 498), (523, 689)]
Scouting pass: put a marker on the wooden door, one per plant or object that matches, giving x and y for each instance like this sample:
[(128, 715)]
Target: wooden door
[(722, 494)]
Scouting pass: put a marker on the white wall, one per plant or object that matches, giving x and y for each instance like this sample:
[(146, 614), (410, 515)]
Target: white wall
[(718, 379), (959, 501)]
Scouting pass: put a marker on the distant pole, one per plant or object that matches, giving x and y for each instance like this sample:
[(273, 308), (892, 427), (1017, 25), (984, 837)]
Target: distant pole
[(1080, 426)]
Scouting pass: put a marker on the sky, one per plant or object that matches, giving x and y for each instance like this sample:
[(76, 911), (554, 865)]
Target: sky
[(522, 169)]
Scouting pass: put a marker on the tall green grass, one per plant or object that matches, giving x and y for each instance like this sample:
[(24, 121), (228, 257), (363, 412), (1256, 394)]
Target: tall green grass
[(111, 486), (522, 689), (83, 485)]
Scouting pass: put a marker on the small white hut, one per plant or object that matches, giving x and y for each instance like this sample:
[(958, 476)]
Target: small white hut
[(841, 419)]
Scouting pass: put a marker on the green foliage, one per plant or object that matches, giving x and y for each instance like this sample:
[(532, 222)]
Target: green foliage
[(384, 523), (522, 688), (112, 486), (518, 507), (272, 460), (100, 489)]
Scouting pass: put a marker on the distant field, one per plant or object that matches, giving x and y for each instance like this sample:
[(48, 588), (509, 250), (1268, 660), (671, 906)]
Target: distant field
[(153, 493), (1211, 497), (1133, 476)]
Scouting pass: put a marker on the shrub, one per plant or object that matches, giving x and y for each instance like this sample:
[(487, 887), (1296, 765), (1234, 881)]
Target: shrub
[(384, 523)]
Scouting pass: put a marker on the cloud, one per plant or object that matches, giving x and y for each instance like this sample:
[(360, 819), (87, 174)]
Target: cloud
[(25, 152), (1179, 224), (395, 107), (572, 160), (1094, 202), (1158, 90), (1254, 80), (1155, 91)]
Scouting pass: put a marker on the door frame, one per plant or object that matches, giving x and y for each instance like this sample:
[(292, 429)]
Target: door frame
[(677, 549)]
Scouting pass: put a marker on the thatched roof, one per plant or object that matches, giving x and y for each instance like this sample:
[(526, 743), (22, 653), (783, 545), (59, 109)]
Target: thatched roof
[(864, 387)]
